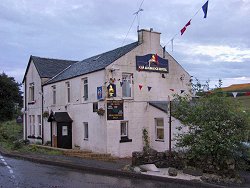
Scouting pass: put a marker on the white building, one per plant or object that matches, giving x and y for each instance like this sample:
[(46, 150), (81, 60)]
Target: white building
[(103, 103)]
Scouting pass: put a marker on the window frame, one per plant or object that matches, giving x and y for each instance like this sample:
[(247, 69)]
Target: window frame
[(68, 92), (39, 122), (95, 106), (86, 131), (130, 81), (159, 127), (53, 94), (85, 89), (124, 137), (31, 92)]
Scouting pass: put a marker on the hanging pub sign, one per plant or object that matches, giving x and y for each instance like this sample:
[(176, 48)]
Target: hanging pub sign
[(152, 63), (111, 90), (115, 110), (99, 93)]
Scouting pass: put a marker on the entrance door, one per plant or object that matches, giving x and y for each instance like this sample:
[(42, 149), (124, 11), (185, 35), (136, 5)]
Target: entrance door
[(64, 135)]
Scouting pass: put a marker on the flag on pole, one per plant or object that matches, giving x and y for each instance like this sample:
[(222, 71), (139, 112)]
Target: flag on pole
[(189, 23), (183, 30), (149, 88), (204, 8), (185, 27)]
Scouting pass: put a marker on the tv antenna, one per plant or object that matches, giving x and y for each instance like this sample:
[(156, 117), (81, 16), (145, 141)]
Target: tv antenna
[(138, 17)]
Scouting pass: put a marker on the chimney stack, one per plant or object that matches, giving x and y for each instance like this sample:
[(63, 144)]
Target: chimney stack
[(149, 37)]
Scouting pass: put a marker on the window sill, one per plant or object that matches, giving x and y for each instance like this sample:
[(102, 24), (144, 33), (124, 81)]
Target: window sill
[(128, 98), (31, 102), (125, 140), (157, 140)]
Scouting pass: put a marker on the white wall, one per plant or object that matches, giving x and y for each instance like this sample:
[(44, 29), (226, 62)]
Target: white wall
[(79, 110), (137, 110), (32, 76)]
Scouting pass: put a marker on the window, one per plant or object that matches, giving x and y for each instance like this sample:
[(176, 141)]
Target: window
[(68, 91), (39, 120), (85, 88), (54, 94), (86, 131), (124, 132), (32, 125), (31, 92), (126, 85), (124, 129), (159, 126), (95, 106), (30, 117)]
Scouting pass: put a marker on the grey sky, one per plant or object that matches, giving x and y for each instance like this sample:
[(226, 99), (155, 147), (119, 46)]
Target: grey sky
[(211, 48)]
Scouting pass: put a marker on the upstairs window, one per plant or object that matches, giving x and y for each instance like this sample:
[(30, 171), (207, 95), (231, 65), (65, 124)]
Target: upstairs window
[(54, 94), (85, 88), (31, 92), (68, 92), (126, 85)]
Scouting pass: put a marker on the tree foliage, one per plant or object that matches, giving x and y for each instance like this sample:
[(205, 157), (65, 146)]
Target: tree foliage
[(216, 126), (10, 97)]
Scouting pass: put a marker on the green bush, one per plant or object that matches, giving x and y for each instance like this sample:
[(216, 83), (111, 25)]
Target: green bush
[(17, 145)]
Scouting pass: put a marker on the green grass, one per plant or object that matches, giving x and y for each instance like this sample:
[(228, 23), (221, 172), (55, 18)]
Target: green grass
[(11, 132), (245, 101)]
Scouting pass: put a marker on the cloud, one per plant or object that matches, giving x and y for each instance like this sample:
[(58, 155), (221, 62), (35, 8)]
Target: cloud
[(220, 53)]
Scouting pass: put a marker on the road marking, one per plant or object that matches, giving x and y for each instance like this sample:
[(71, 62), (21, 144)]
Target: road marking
[(10, 170)]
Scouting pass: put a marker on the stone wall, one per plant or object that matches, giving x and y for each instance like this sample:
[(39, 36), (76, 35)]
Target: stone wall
[(160, 159)]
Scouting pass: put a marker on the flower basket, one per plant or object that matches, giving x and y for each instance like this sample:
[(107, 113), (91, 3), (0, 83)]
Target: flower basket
[(45, 114), (100, 111)]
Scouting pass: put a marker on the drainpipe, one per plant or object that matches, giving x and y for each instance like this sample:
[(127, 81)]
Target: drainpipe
[(42, 115), (25, 108), (170, 122)]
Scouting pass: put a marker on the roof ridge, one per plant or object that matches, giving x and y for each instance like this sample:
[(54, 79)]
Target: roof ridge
[(97, 60), (57, 74), (52, 58)]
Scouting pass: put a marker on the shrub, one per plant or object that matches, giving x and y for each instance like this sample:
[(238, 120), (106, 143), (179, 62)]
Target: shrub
[(17, 145)]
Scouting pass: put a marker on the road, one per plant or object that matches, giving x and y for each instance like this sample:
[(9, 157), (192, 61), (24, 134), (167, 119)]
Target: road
[(17, 173)]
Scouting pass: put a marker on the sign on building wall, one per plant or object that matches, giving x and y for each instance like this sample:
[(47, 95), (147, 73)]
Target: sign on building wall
[(152, 63), (99, 93), (111, 90), (115, 110)]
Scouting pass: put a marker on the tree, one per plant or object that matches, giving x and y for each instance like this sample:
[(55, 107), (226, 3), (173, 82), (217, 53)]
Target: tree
[(216, 126), (10, 95)]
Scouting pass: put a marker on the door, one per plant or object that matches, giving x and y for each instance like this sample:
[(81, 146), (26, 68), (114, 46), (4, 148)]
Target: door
[(64, 135)]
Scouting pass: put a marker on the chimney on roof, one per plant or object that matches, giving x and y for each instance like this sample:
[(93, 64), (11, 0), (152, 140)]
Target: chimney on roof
[(149, 37)]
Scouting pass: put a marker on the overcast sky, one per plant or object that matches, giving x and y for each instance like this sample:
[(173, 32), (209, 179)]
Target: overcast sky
[(217, 47)]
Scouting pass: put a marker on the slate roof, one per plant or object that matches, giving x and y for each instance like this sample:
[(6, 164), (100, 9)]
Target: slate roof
[(47, 68), (161, 105), (95, 63)]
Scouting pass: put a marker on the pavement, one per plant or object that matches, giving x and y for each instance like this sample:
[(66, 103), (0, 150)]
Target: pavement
[(112, 168)]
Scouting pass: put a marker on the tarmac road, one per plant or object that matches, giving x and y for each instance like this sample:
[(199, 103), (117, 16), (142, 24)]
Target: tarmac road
[(17, 173)]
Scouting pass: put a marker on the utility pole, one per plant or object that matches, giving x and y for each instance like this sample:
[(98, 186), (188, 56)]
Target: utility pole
[(170, 126)]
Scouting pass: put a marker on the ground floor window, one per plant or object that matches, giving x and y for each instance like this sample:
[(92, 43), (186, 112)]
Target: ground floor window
[(86, 130), (39, 120), (124, 132), (159, 129)]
